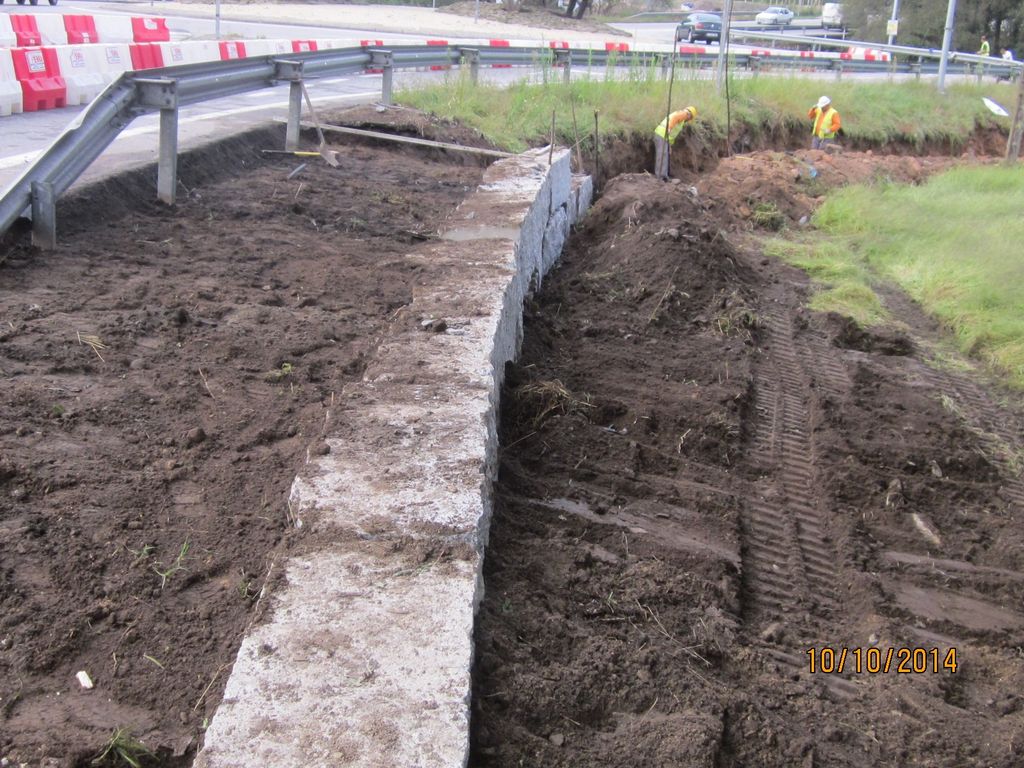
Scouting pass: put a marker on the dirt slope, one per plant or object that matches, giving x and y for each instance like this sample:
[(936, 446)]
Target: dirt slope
[(165, 372), (702, 481)]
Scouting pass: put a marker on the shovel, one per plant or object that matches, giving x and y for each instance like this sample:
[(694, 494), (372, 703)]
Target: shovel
[(329, 155)]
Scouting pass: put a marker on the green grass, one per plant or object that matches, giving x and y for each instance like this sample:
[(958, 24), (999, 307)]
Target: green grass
[(950, 243), (519, 115)]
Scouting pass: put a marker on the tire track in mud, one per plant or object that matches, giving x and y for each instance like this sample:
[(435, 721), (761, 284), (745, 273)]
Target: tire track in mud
[(988, 421), (789, 568)]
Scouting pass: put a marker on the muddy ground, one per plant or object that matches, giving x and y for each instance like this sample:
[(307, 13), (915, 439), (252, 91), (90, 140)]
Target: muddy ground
[(701, 481), (164, 373)]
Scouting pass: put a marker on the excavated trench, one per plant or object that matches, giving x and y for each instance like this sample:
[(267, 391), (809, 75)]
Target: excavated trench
[(730, 531)]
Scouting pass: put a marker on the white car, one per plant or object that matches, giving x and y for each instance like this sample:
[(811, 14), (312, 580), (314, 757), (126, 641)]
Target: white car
[(776, 14)]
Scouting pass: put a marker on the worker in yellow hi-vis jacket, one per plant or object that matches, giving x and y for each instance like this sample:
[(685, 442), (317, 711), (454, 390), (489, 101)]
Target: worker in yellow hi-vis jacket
[(665, 134), (826, 123)]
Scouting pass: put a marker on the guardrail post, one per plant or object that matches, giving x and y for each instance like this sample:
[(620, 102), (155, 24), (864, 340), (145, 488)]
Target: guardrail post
[(755, 65), (162, 93), (472, 57), (839, 70), (385, 62), (916, 69), (291, 72), (563, 58), (291, 131), (44, 215), (167, 170), (664, 66)]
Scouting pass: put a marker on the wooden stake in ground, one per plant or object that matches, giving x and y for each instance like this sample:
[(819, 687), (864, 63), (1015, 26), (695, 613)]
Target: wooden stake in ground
[(551, 148), (668, 112), (576, 135), (1017, 127)]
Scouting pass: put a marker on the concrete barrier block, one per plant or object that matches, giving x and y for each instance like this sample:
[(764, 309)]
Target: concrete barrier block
[(554, 238), (366, 664), (584, 188)]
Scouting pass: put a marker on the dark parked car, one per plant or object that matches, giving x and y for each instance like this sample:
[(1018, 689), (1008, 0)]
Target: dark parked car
[(700, 26)]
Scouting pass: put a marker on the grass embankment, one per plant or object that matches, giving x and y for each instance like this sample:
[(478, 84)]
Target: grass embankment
[(519, 115), (952, 244)]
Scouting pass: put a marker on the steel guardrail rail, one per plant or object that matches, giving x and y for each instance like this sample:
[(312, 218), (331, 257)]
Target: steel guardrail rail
[(131, 95)]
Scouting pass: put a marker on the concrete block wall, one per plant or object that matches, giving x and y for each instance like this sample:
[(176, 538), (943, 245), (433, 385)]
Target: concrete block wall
[(365, 653)]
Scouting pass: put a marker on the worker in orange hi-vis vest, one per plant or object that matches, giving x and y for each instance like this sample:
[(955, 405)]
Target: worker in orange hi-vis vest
[(665, 134), (826, 123)]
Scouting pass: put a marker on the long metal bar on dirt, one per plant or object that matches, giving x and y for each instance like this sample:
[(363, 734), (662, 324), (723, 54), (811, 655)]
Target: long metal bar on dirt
[(408, 140)]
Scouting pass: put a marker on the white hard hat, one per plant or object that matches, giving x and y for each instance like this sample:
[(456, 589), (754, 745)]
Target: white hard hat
[(823, 102)]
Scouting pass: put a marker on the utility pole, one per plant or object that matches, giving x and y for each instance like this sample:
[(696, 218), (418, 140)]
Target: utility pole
[(947, 38), (723, 45)]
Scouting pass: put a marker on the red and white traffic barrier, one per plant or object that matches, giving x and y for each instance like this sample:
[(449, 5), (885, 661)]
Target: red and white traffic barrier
[(232, 49), (80, 28), (51, 29), (150, 29), (82, 82), (108, 60), (10, 88), (146, 56), (26, 32), (115, 29), (37, 70), (7, 36)]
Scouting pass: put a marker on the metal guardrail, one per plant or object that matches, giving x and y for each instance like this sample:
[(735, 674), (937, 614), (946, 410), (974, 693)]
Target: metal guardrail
[(167, 89)]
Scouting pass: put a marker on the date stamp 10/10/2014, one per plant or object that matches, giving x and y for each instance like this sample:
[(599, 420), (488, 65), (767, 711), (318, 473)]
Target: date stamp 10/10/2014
[(873, 661)]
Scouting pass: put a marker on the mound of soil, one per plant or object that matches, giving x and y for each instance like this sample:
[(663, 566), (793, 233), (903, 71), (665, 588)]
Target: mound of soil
[(166, 371), (703, 485)]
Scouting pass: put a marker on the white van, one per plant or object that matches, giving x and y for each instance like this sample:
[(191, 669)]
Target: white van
[(832, 16)]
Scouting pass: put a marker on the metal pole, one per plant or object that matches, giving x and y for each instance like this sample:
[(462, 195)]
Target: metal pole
[(44, 215), (723, 45), (167, 169), (947, 38), (216, 28), (291, 133), (895, 17), (476, 12), (387, 83), (1017, 127)]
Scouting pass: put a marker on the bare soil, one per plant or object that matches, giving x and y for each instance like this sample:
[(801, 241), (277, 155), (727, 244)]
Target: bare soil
[(701, 481), (165, 372)]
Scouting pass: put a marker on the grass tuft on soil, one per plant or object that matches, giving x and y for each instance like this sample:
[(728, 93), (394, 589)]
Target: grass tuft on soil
[(873, 113), (947, 243)]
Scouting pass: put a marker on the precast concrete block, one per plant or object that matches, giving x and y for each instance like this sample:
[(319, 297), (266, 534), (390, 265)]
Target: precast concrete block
[(400, 466), (584, 186), (554, 237), (364, 662)]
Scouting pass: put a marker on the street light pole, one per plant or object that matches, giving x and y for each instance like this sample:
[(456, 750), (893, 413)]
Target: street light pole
[(947, 38)]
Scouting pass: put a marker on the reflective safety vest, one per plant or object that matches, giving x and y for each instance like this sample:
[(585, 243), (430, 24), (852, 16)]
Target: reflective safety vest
[(670, 127), (826, 122)]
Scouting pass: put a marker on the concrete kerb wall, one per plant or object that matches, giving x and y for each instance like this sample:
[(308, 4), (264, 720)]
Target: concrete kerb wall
[(365, 656)]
